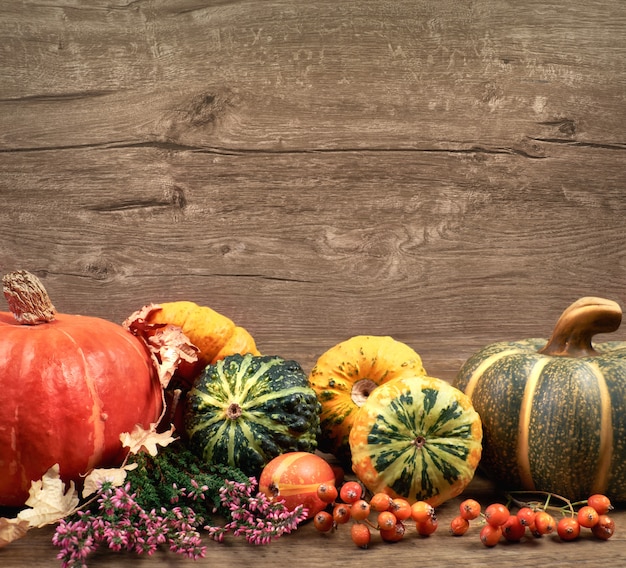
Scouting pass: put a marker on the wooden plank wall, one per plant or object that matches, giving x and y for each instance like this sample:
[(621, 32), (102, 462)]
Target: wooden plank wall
[(449, 173)]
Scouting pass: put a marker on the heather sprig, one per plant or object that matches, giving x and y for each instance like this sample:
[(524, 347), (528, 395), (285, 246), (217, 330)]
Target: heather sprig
[(253, 515), (167, 500), (175, 475), (120, 523)]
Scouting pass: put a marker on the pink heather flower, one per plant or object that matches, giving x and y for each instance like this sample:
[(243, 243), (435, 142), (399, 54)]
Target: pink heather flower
[(121, 524), (253, 516)]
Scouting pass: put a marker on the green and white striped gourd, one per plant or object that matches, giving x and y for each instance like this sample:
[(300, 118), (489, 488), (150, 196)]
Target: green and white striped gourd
[(554, 411), (245, 410), (418, 438)]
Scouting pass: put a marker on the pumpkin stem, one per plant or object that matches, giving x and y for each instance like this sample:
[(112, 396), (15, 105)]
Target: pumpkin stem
[(361, 391), (419, 442), (27, 298), (233, 411), (579, 323)]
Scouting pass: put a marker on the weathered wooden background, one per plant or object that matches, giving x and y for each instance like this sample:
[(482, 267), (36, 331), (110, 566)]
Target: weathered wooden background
[(449, 173)]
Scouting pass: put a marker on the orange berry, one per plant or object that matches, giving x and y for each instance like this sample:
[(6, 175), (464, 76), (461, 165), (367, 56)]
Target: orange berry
[(360, 510), (526, 515), (513, 529), (323, 521), (393, 534), (490, 535), (421, 511), (380, 502), (428, 527), (401, 508), (604, 528), (341, 513), (497, 514), (469, 509), (361, 535), (587, 516), (327, 492), (568, 528), (459, 526), (544, 523), (600, 503), (386, 520), (351, 491)]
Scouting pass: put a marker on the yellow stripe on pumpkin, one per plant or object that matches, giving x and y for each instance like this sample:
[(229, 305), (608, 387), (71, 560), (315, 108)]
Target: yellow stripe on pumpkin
[(284, 465), (606, 433), (523, 459), (478, 372)]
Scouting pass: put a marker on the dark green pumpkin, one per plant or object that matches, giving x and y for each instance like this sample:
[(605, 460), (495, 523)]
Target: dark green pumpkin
[(245, 410), (554, 411)]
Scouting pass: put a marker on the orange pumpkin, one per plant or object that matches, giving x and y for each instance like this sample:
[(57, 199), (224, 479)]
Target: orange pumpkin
[(70, 386)]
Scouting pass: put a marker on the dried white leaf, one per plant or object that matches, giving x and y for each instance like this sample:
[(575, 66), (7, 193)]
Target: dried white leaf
[(115, 476), (141, 440), (49, 501), (12, 529)]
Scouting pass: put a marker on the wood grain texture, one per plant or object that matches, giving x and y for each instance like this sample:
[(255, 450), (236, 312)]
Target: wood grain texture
[(447, 173)]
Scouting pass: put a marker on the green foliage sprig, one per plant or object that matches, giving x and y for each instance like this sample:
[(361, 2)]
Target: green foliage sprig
[(166, 500), (159, 479)]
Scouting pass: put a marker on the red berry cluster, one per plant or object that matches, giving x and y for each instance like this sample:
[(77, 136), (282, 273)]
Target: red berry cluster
[(501, 523), (382, 513)]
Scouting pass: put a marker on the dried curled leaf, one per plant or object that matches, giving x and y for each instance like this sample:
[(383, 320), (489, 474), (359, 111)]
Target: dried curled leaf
[(115, 476), (49, 501), (141, 440), (167, 344), (12, 529)]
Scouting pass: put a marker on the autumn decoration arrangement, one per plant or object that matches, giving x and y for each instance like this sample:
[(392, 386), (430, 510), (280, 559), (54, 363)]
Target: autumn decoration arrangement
[(173, 425)]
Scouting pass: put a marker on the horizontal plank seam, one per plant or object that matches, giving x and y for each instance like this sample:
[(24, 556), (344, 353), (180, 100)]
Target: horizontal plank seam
[(175, 147), (566, 142), (52, 97)]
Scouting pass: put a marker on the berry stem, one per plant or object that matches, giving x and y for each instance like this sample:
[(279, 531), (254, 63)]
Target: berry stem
[(370, 523), (567, 504)]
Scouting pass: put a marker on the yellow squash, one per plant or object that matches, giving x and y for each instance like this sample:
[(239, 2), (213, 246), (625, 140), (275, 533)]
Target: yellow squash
[(345, 375)]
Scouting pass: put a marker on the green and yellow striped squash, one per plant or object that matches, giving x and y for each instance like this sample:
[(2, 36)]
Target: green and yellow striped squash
[(245, 410), (346, 374), (418, 438), (554, 411)]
